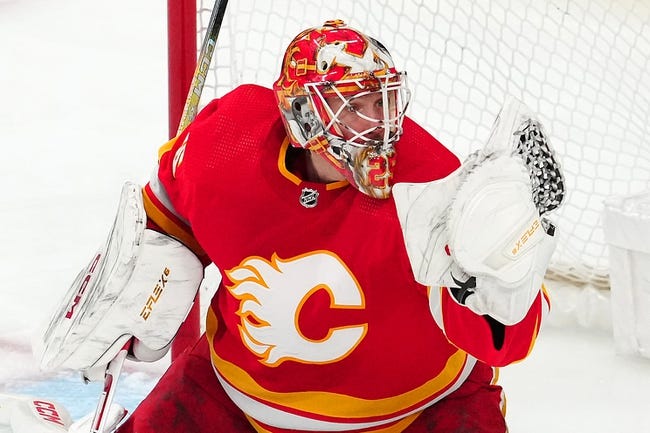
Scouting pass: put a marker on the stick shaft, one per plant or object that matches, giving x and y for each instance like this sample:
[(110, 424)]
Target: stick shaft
[(111, 376), (203, 64)]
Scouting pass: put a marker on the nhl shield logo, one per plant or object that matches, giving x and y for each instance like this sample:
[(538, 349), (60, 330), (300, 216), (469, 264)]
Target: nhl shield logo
[(309, 197)]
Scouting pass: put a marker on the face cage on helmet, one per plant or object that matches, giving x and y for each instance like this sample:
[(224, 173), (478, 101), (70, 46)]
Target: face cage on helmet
[(392, 117)]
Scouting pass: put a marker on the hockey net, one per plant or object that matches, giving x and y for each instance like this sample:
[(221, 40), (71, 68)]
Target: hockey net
[(583, 66)]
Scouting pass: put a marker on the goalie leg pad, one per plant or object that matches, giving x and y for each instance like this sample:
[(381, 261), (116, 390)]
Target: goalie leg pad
[(140, 284), (27, 414)]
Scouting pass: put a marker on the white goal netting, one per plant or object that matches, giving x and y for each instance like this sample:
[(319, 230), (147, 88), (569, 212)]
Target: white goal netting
[(582, 65)]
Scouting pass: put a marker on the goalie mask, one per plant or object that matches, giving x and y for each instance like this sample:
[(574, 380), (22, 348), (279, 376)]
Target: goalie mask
[(340, 95)]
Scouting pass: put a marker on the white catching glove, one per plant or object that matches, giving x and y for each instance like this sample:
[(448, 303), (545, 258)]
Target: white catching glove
[(497, 236), (479, 231)]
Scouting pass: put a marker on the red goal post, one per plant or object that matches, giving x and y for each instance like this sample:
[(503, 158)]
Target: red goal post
[(181, 56), (582, 65), (182, 49)]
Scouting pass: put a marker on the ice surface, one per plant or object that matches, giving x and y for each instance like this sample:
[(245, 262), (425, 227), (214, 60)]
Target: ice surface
[(82, 109)]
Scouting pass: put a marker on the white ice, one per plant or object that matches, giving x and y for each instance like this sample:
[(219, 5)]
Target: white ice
[(83, 108)]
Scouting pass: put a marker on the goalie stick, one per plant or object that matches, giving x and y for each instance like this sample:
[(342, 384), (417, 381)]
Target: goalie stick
[(203, 64), (111, 376)]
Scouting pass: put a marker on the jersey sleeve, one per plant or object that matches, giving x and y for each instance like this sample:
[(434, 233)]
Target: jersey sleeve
[(483, 337), (169, 191)]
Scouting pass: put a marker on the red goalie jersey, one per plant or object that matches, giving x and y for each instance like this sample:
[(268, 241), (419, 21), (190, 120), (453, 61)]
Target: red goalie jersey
[(318, 323)]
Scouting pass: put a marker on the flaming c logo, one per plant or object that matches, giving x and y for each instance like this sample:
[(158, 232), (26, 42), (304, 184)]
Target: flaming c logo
[(271, 295)]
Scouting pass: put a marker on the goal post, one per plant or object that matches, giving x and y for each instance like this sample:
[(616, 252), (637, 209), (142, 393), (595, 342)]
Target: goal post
[(181, 59), (181, 55), (582, 65)]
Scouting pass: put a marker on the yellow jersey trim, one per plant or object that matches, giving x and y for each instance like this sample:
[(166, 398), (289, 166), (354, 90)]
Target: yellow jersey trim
[(330, 404)]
